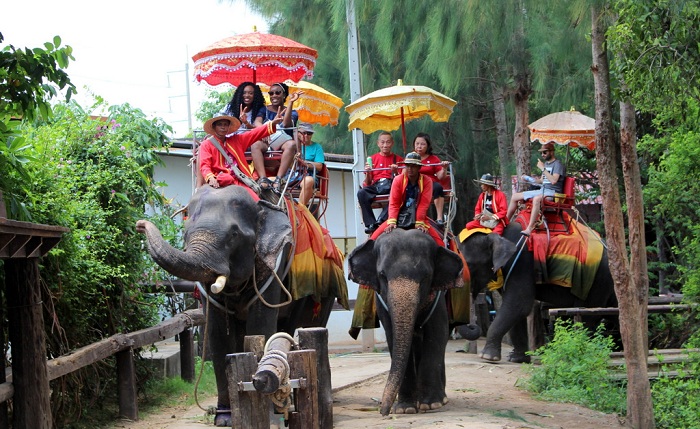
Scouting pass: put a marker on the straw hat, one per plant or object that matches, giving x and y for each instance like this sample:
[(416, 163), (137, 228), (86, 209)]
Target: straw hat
[(234, 124), (412, 158), (486, 179)]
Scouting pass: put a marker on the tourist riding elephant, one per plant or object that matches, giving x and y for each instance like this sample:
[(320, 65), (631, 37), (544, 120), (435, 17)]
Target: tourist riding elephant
[(234, 244), (410, 273), (486, 253)]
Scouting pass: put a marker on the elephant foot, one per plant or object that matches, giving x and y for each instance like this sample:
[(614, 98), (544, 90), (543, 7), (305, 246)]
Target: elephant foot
[(405, 407), (223, 418), (433, 405), (490, 356), (518, 357)]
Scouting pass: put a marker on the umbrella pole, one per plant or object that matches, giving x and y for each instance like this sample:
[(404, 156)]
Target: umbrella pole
[(403, 133)]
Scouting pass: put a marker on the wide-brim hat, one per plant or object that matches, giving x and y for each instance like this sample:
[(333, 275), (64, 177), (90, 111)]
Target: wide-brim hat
[(412, 158), (547, 147), (234, 123), (486, 179)]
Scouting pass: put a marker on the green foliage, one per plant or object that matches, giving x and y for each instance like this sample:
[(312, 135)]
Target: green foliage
[(28, 80), (214, 103), (26, 77), (677, 399), (94, 176), (574, 368), (656, 52)]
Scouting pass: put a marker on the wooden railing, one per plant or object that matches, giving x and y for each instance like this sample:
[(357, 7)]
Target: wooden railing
[(123, 345)]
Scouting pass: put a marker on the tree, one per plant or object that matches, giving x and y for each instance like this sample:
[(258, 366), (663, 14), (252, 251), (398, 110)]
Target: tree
[(630, 290)]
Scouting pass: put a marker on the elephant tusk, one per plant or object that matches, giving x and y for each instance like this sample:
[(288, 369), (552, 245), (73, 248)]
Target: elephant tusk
[(218, 285)]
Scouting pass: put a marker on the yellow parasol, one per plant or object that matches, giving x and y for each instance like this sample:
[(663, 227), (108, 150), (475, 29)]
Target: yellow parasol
[(569, 128), (316, 106), (390, 108)]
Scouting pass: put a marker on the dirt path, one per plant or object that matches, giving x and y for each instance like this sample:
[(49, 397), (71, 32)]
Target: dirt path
[(481, 395)]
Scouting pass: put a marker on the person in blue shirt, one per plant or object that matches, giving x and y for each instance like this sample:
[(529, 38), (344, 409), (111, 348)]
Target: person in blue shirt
[(313, 158), (282, 140)]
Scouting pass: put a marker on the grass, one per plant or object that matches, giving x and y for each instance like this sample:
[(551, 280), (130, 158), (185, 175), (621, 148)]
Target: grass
[(153, 397)]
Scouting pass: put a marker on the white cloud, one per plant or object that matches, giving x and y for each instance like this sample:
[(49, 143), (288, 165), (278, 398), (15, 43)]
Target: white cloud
[(133, 51)]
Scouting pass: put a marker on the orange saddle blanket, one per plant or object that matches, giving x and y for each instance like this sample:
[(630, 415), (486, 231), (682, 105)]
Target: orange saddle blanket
[(569, 260)]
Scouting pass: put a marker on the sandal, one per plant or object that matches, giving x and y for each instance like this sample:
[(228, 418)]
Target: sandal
[(277, 185), (265, 183)]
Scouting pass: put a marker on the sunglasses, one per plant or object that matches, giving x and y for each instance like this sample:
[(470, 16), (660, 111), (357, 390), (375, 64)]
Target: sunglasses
[(545, 151), (275, 92), (305, 133)]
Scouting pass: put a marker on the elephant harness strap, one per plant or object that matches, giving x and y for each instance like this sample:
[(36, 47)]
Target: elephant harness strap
[(434, 296)]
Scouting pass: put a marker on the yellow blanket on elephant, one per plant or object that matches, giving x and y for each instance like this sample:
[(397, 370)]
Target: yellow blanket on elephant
[(364, 314), (317, 267)]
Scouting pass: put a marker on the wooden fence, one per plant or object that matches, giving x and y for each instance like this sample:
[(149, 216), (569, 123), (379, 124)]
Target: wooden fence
[(123, 345)]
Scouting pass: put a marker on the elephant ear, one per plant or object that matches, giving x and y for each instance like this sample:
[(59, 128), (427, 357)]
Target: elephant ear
[(501, 251), (274, 232), (448, 270), (362, 265)]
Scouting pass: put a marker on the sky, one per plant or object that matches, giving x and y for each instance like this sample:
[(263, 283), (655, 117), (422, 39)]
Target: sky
[(134, 52)]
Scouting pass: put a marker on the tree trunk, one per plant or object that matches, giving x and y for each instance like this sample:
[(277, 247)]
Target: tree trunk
[(499, 118), (521, 142), (639, 409)]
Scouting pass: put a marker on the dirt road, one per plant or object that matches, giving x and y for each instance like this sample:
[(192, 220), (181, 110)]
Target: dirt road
[(481, 395)]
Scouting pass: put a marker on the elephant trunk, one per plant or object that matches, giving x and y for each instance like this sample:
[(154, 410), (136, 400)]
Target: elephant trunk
[(403, 300), (186, 265)]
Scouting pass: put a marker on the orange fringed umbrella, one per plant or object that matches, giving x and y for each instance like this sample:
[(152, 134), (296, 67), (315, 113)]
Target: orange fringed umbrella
[(255, 57), (569, 128)]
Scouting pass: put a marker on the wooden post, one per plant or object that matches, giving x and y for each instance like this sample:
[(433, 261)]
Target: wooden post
[(317, 339), (535, 327), (248, 409), (126, 385), (254, 344), (187, 356), (4, 421), (302, 364), (31, 403)]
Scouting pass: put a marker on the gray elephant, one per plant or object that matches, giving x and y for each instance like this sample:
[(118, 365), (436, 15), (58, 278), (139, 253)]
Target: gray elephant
[(486, 253), (410, 274), (234, 244)]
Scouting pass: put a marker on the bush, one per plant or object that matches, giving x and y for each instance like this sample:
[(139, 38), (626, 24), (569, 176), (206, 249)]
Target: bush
[(574, 368), (677, 399), (94, 176)]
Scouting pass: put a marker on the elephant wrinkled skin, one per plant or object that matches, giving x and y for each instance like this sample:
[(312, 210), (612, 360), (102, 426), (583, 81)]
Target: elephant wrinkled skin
[(486, 253), (409, 272), (231, 235)]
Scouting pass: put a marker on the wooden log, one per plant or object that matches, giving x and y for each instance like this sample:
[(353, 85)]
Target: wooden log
[(302, 365), (187, 356), (317, 339), (254, 344), (248, 409), (614, 311), (100, 350), (126, 385), (31, 403), (273, 367)]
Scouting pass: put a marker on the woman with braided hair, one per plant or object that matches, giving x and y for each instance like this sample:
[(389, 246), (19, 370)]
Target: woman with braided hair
[(248, 105)]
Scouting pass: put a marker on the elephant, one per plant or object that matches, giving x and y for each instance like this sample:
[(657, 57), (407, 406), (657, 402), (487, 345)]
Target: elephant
[(484, 254), (410, 273), (235, 243)]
